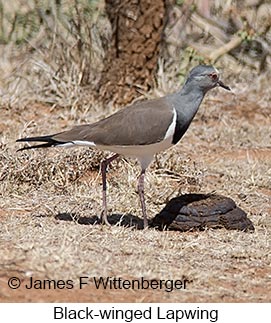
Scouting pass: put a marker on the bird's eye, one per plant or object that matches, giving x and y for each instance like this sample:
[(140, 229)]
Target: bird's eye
[(213, 76)]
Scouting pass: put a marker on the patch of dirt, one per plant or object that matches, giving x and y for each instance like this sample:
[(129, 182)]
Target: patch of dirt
[(257, 154)]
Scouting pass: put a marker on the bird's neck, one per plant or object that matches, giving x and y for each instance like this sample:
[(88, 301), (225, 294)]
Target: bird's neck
[(187, 101), (186, 104)]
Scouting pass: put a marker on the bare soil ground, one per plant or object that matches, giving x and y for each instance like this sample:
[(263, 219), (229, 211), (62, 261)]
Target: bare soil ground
[(50, 198)]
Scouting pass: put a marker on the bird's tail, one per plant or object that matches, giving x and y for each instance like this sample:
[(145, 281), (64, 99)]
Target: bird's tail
[(48, 141)]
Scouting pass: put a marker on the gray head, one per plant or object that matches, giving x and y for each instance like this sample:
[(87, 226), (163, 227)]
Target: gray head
[(206, 77)]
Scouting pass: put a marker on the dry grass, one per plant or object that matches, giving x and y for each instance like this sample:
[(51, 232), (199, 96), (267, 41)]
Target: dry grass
[(59, 51)]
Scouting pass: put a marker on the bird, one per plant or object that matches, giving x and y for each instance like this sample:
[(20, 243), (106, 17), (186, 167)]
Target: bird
[(139, 130)]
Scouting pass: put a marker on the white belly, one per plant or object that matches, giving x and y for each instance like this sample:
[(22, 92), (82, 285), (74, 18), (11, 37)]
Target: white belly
[(144, 153)]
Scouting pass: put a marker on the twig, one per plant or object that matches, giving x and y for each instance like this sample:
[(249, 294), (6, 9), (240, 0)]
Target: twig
[(233, 43)]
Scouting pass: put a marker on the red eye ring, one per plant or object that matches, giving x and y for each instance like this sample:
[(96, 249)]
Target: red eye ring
[(213, 76)]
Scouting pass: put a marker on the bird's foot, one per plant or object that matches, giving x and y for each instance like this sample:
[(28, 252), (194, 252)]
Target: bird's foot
[(145, 223), (103, 218)]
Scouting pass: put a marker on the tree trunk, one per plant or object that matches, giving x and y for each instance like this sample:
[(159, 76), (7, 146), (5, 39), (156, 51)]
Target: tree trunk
[(132, 56)]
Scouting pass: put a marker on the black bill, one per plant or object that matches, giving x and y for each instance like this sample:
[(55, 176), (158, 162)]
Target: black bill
[(220, 83)]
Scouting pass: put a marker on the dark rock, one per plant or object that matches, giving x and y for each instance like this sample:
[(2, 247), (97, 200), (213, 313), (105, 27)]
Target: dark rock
[(199, 211)]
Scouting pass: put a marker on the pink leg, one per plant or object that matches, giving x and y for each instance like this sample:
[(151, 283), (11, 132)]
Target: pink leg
[(142, 197), (104, 165)]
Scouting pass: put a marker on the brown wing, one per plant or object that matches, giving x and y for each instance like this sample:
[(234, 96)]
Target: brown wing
[(139, 124)]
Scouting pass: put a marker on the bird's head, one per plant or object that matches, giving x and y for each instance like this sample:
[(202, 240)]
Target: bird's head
[(206, 77)]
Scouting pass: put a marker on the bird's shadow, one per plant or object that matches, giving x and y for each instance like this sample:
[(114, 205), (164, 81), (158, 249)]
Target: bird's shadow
[(130, 220), (124, 220)]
